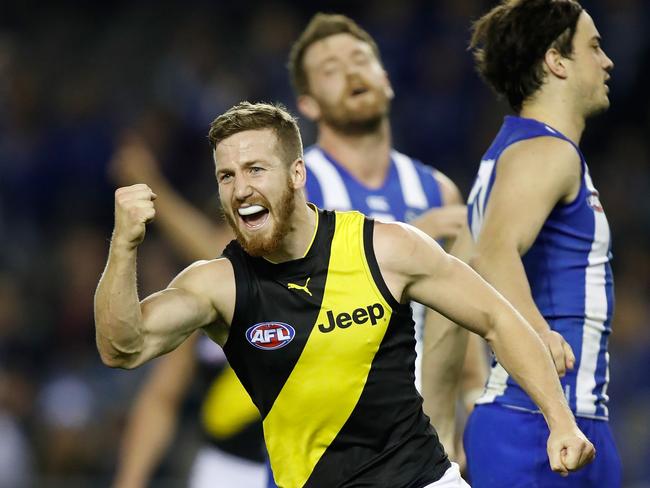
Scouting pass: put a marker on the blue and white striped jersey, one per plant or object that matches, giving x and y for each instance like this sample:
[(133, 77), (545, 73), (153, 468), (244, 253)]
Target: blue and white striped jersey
[(410, 189), (568, 268)]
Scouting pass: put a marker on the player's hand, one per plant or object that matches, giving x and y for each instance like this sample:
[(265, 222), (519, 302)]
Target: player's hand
[(133, 161), (442, 222), (569, 450), (134, 208), (560, 350)]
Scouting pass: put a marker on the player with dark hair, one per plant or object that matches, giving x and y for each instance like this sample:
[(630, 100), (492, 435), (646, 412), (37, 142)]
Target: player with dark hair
[(542, 238)]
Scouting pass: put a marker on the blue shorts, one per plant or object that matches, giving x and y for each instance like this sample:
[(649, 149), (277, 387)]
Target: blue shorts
[(507, 448), (270, 482)]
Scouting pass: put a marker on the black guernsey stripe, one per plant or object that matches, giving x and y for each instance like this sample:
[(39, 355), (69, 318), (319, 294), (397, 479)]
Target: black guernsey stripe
[(368, 229)]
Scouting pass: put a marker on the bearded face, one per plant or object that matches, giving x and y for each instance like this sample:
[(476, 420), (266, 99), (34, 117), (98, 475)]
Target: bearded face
[(255, 188), (348, 83), (261, 210)]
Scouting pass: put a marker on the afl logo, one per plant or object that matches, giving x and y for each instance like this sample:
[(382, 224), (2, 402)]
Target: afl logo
[(270, 335), (594, 202)]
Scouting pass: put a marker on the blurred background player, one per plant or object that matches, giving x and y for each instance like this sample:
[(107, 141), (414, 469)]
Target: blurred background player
[(542, 237), (341, 85)]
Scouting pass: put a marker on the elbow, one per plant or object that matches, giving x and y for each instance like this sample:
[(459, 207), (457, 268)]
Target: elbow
[(118, 361), (114, 358)]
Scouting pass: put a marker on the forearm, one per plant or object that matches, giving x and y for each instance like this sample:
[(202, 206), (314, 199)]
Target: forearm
[(444, 349), (522, 353), (147, 437), (118, 317)]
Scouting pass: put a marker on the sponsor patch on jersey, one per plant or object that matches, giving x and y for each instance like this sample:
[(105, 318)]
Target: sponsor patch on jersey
[(270, 335), (370, 314), (594, 202)]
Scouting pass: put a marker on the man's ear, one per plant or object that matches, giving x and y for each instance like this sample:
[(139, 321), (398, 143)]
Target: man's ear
[(309, 107), (556, 64), (298, 174), (389, 88)]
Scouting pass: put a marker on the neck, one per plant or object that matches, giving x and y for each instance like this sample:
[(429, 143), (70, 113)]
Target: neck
[(297, 240), (557, 111), (364, 156)]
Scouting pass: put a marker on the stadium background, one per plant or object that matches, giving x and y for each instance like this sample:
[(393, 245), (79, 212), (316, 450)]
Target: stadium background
[(74, 75)]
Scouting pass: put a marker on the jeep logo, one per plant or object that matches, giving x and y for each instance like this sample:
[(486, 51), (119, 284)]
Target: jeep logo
[(359, 316)]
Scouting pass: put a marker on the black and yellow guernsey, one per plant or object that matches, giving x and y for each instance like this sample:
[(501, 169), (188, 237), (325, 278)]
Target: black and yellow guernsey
[(327, 355)]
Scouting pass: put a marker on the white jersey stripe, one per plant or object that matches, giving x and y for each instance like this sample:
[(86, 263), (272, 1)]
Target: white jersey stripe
[(496, 385), (335, 194), (412, 190), (595, 312), (479, 195), (605, 395)]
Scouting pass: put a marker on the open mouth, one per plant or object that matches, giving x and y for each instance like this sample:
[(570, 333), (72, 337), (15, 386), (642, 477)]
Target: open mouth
[(358, 91), (253, 216)]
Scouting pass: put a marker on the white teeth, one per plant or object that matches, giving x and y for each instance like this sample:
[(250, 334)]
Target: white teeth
[(253, 209)]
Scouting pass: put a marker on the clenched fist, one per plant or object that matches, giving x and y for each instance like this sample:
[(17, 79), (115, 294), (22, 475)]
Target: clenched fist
[(134, 208), (569, 450)]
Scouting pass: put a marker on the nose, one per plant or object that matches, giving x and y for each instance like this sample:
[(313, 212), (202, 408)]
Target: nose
[(242, 189), (609, 64), (352, 69)]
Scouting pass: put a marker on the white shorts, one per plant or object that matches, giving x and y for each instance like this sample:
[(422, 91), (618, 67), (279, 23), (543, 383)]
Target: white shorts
[(213, 468), (451, 479)]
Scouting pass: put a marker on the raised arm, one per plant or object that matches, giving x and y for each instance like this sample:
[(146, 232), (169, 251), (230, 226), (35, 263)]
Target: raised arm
[(128, 332), (532, 177), (423, 272)]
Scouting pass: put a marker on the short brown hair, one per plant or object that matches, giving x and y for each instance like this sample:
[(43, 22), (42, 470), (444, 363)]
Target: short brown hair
[(510, 41), (257, 116), (320, 27)]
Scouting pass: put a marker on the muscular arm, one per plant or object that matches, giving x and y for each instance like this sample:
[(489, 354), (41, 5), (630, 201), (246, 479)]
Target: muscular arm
[(128, 332), (153, 418), (425, 273), (532, 177)]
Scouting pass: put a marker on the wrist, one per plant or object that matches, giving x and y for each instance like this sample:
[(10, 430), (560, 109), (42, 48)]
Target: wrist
[(560, 418), (121, 245)]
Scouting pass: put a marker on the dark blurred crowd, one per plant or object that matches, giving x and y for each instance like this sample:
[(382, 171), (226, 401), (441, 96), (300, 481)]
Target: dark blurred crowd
[(74, 77)]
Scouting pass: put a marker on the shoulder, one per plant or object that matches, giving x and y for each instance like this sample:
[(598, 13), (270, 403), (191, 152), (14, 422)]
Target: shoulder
[(541, 155), (400, 246), (448, 189), (210, 282), (205, 277), (542, 162)]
